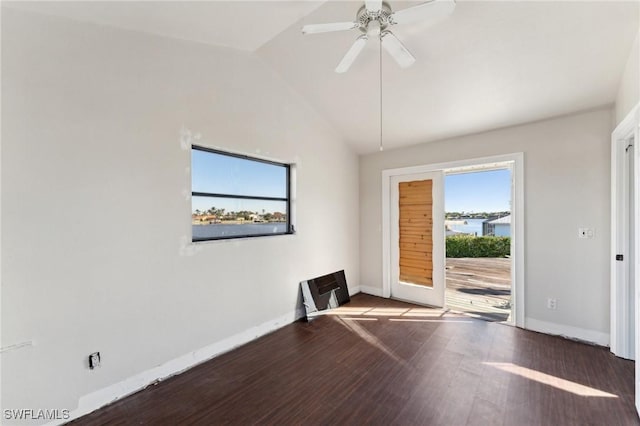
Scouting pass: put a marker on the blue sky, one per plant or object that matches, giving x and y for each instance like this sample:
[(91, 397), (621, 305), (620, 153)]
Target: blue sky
[(214, 173), (488, 191)]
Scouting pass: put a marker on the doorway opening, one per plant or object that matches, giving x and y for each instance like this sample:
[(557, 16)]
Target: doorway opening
[(414, 242), (478, 241)]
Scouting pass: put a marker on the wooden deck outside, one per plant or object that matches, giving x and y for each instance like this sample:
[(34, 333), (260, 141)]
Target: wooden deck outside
[(479, 287)]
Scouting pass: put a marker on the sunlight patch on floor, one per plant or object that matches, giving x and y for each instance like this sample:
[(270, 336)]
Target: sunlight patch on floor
[(390, 312), (430, 320), (358, 319), (387, 312), (556, 382), (372, 340), (345, 310)]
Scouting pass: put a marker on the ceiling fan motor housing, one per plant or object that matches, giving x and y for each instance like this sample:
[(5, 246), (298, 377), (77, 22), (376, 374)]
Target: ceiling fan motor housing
[(365, 16)]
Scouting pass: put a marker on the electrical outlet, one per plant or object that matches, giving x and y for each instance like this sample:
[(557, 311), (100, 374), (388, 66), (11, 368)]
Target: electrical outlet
[(586, 232), (94, 360), (552, 303)]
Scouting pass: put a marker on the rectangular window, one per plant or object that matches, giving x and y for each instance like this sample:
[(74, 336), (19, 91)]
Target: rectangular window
[(235, 196)]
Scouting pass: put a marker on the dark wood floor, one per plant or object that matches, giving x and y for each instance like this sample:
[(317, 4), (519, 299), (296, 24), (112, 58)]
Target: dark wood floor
[(379, 361)]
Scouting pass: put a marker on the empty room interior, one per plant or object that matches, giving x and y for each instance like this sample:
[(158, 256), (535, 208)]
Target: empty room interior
[(183, 181)]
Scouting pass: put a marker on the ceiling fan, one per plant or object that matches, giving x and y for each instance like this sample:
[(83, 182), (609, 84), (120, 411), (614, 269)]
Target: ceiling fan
[(373, 20)]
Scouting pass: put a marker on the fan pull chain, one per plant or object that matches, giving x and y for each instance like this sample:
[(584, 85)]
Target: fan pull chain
[(380, 55)]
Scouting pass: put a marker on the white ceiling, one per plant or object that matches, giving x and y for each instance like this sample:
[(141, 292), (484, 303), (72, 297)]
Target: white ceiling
[(491, 64), (244, 25)]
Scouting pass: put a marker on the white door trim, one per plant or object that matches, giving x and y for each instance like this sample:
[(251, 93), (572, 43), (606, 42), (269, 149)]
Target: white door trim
[(620, 315), (517, 221)]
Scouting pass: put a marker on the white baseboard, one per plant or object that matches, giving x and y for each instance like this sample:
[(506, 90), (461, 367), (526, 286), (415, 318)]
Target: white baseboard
[(374, 291), (105, 396), (591, 336)]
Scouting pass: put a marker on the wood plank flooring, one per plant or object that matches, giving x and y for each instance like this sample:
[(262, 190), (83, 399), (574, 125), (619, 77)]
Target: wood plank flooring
[(383, 362), (480, 287)]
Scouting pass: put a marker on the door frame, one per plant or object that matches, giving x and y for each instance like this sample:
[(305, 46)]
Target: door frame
[(620, 339), (517, 221)]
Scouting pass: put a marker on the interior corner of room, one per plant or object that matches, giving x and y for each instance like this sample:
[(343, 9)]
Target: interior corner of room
[(105, 286)]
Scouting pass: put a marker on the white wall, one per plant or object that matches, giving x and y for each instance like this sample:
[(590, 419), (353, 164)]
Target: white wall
[(629, 89), (96, 210), (566, 178)]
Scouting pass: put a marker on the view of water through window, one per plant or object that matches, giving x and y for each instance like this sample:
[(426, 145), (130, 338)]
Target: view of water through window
[(234, 196)]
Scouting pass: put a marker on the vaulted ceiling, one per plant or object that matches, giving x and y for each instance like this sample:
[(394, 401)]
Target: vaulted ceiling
[(491, 64)]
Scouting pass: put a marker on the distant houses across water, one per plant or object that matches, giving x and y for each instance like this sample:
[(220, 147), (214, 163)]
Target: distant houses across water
[(498, 226)]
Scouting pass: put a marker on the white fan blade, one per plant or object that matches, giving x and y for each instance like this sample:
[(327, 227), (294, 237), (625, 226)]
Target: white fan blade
[(373, 5), (433, 11), (326, 28), (352, 54), (396, 49)]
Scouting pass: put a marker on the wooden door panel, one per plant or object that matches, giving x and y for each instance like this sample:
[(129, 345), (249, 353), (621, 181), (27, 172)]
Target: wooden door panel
[(415, 232)]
